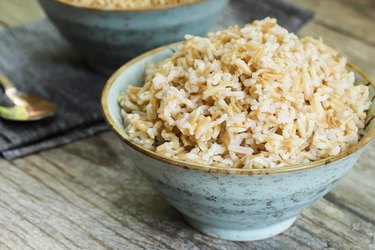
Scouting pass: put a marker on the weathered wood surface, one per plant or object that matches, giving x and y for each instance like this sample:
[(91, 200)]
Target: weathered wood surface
[(88, 195)]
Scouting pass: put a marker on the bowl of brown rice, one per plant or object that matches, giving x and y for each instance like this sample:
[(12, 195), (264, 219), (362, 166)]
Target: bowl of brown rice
[(243, 129)]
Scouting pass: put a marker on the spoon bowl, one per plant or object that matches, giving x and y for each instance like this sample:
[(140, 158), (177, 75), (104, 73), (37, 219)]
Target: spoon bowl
[(26, 107)]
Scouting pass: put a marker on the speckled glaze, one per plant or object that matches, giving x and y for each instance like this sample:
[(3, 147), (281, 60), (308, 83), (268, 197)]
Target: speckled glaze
[(240, 207), (235, 204), (110, 38)]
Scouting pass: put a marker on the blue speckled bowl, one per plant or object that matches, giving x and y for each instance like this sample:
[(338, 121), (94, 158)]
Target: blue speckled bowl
[(234, 204), (110, 38)]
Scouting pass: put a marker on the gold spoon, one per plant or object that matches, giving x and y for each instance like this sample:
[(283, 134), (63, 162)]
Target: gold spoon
[(26, 107)]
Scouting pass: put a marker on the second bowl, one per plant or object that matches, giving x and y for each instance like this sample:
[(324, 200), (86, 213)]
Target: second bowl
[(109, 38)]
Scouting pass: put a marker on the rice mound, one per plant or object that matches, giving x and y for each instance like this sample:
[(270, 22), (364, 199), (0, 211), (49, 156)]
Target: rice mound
[(251, 97), (125, 4)]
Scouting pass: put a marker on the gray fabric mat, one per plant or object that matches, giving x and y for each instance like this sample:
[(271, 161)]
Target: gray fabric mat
[(38, 60)]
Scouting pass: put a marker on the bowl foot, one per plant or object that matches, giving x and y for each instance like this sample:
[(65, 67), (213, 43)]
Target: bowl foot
[(240, 234)]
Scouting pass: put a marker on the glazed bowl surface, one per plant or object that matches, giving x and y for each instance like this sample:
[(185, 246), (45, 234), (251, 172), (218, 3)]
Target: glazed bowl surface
[(233, 204), (109, 38)]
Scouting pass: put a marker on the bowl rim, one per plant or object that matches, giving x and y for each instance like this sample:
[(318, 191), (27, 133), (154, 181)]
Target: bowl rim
[(213, 169), (135, 10)]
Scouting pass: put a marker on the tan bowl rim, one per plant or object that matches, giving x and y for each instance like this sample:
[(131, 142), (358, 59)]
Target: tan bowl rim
[(136, 10), (212, 169)]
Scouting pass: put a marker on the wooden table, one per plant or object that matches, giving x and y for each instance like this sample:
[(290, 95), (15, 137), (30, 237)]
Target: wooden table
[(87, 194)]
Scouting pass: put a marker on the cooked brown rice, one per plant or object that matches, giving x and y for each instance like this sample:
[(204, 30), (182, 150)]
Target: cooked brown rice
[(125, 4), (251, 97)]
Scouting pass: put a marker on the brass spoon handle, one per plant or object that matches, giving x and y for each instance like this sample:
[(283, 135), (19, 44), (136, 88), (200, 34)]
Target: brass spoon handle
[(5, 83)]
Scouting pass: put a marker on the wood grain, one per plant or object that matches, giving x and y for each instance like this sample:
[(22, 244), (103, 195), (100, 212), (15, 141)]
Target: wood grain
[(17, 12), (88, 195), (352, 18)]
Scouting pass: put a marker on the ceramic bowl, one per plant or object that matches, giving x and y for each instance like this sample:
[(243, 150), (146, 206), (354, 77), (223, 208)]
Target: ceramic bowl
[(233, 204), (108, 39)]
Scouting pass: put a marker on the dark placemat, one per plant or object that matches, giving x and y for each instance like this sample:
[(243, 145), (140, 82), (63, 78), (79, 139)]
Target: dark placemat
[(38, 60)]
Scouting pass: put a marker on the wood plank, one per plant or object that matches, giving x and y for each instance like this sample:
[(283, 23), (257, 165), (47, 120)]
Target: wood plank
[(17, 12), (71, 199), (353, 18), (88, 195), (43, 227), (337, 228)]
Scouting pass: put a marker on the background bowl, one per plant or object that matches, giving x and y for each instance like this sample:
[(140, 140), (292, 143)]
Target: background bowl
[(110, 38), (236, 204)]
